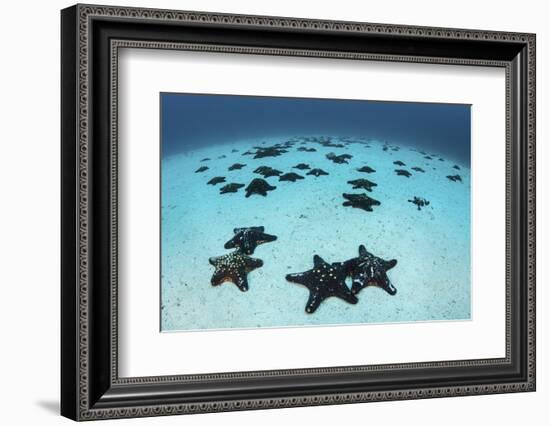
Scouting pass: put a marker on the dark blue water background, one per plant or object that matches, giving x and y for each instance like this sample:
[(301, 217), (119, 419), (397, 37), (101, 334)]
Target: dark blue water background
[(190, 121)]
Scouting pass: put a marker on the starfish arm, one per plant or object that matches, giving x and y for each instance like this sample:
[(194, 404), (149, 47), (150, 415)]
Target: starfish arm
[(313, 302), (345, 294), (253, 263), (318, 261), (387, 285), (357, 285), (300, 278), (241, 281), (388, 264), (265, 238), (218, 277), (232, 243)]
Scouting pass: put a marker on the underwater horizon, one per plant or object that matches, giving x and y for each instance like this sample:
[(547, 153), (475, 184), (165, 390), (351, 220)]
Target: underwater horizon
[(279, 212)]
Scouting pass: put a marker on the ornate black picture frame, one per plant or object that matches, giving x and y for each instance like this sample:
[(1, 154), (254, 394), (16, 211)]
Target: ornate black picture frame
[(91, 387)]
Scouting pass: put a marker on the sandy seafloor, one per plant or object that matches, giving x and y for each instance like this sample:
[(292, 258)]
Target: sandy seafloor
[(432, 246)]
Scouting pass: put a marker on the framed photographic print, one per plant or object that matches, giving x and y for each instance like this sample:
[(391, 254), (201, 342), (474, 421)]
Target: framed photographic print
[(263, 212)]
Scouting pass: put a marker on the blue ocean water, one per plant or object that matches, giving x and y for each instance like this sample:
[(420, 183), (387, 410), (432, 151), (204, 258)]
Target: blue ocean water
[(191, 121), (430, 242)]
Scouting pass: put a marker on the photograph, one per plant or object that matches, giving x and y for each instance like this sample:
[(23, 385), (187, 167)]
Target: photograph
[(276, 208), (291, 212)]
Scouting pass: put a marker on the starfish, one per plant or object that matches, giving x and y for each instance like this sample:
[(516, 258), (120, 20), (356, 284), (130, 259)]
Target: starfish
[(216, 180), (262, 169), (420, 202), (369, 270), (247, 239), (292, 177), (418, 169), (271, 172), (362, 183), (360, 201), (339, 159), (302, 166), (317, 172), (206, 159), (231, 187), (323, 281), (401, 172), (272, 151), (455, 178), (258, 186), (267, 171), (366, 169), (399, 163), (456, 167), (233, 267), (236, 166), (201, 169), (304, 149)]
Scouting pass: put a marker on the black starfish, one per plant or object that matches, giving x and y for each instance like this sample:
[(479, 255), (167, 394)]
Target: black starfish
[(233, 267), (291, 177), (305, 149), (262, 169), (362, 184), (247, 239), (399, 163), (271, 172), (455, 178), (456, 167), (216, 180), (302, 166), (236, 166), (206, 159), (323, 281), (366, 169), (258, 186), (401, 172), (420, 202), (339, 159), (427, 157), (369, 270), (272, 151), (231, 187), (418, 169), (360, 201), (317, 172), (201, 169), (266, 171)]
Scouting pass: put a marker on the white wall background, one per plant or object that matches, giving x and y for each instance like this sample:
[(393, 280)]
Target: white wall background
[(29, 213)]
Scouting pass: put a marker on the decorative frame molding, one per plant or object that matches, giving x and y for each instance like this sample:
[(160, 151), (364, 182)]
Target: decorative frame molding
[(91, 37)]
